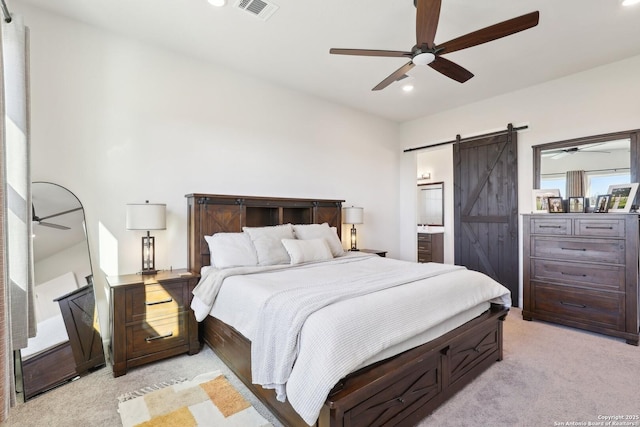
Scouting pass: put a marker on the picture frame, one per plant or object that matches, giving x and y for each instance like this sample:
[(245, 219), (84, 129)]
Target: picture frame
[(540, 196), (576, 205), (622, 197), (602, 203), (555, 205)]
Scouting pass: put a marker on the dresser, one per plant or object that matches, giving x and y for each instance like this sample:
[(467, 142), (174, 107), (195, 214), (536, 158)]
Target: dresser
[(151, 318), (581, 270), (430, 247)]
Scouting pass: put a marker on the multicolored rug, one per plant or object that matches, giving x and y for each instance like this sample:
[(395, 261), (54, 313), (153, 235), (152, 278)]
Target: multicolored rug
[(207, 400)]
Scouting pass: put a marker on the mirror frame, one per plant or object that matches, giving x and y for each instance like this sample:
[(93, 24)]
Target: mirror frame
[(441, 185), (634, 161)]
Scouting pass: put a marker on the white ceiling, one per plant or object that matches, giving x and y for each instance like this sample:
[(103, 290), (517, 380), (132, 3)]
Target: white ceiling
[(291, 49)]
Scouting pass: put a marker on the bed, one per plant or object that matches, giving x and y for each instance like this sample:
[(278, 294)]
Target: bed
[(396, 385)]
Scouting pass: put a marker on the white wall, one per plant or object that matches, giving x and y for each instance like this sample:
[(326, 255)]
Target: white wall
[(597, 101), (74, 259), (117, 121)]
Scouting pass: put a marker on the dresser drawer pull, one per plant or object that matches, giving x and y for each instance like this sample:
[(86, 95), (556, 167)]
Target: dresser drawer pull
[(573, 249), (599, 228), (159, 337), (569, 274), (164, 301), (550, 226), (570, 304)]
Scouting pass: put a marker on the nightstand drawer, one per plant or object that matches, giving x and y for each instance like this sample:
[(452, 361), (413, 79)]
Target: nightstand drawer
[(156, 335), (150, 301)]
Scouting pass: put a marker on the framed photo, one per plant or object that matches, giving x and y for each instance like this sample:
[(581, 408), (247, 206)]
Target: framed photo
[(555, 205), (540, 202), (602, 203), (622, 197), (576, 204)]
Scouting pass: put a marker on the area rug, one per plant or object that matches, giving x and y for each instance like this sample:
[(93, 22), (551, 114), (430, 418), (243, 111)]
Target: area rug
[(207, 400)]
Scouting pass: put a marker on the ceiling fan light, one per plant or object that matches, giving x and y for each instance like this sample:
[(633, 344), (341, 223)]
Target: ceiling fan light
[(423, 58), (217, 3), (407, 87)]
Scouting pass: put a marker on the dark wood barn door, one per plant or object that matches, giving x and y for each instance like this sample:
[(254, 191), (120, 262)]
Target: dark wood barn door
[(486, 207)]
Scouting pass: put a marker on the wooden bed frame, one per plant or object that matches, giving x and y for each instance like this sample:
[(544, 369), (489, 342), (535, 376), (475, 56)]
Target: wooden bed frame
[(400, 390)]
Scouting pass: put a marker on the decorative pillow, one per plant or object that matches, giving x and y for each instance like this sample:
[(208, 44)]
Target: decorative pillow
[(317, 231), (231, 250), (307, 250), (268, 243)]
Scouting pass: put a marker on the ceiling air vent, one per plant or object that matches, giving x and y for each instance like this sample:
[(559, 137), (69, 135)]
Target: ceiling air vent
[(257, 8)]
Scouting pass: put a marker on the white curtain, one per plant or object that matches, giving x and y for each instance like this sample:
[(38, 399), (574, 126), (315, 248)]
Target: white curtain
[(18, 301)]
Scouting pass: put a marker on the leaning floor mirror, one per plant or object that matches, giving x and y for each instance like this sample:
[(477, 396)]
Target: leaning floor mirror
[(67, 343)]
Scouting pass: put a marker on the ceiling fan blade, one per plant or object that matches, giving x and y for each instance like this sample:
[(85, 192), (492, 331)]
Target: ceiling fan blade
[(395, 76), (58, 226), (427, 16), (451, 69), (60, 213), (371, 52), (491, 33)]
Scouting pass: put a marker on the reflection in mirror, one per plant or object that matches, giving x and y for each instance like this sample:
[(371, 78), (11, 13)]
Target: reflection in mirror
[(431, 204), (604, 159), (68, 341)]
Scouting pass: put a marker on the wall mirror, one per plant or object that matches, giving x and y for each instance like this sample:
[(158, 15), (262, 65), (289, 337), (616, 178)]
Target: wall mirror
[(607, 159), (68, 341), (431, 204)]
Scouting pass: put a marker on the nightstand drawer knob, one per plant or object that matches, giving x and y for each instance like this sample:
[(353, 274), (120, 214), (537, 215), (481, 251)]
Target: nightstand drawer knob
[(159, 337), (164, 301)]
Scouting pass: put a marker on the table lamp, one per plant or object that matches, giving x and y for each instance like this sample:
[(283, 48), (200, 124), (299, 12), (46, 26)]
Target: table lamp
[(353, 216), (147, 216)]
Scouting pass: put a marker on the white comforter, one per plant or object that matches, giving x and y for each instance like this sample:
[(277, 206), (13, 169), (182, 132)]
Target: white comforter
[(328, 343)]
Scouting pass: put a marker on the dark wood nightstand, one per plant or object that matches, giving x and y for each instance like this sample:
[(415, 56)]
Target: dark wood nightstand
[(151, 318), (374, 251)]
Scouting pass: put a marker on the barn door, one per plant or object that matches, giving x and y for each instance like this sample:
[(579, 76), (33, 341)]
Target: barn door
[(486, 207)]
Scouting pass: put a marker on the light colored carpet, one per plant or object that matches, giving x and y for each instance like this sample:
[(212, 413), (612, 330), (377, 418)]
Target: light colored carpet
[(550, 376)]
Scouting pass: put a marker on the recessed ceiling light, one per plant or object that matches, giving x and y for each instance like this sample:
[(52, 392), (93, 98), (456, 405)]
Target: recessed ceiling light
[(217, 3), (630, 2), (407, 88)]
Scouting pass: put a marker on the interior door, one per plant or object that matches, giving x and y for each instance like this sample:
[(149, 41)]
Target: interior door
[(486, 207)]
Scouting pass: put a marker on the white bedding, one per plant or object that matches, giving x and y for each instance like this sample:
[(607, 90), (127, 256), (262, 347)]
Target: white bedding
[(51, 332), (350, 335)]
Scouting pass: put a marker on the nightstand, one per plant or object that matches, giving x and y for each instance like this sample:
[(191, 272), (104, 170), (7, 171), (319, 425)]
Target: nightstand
[(374, 251), (150, 318)]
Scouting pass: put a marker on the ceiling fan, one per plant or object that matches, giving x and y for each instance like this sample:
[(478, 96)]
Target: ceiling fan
[(39, 221), (426, 52), (560, 153)]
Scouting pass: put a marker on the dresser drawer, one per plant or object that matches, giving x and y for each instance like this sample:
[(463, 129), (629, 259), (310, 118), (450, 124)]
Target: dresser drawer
[(599, 227), (578, 249), (604, 309), (149, 301), (424, 238), (557, 226), (604, 277), (156, 335)]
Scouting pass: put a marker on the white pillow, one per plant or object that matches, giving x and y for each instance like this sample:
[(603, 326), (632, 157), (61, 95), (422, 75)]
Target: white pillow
[(317, 231), (307, 250), (231, 250), (268, 243)]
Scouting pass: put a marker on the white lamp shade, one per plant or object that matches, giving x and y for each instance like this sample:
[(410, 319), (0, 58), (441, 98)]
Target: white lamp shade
[(146, 216), (353, 215)]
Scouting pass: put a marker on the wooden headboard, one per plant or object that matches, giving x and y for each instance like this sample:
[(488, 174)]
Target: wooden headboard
[(213, 213)]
